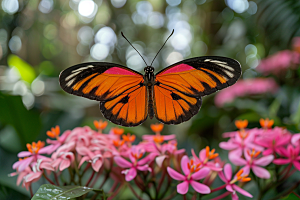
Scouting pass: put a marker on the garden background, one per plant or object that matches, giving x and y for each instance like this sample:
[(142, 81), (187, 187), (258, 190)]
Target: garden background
[(40, 38)]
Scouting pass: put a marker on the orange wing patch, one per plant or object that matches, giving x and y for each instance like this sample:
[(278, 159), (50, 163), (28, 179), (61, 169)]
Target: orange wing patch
[(173, 107), (128, 109)]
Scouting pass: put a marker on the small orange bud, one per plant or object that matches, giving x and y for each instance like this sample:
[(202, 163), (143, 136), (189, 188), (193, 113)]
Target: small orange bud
[(157, 128), (128, 138), (158, 139), (266, 123), (241, 124), (118, 131), (118, 143), (100, 125), (54, 133), (246, 179)]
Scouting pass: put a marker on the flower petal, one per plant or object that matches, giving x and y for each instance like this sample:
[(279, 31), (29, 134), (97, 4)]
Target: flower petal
[(184, 165), (183, 187), (64, 164), (122, 162), (228, 171), (229, 188), (243, 192), (24, 154), (202, 173), (264, 161), (296, 165), (175, 175), (144, 168), (200, 188), (281, 161), (160, 159), (131, 174), (261, 172)]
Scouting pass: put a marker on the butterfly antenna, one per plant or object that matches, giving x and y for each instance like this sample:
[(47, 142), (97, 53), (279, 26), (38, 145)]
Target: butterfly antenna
[(133, 47), (162, 46)]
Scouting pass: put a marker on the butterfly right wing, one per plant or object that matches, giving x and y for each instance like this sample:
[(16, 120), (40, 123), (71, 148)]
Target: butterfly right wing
[(120, 90)]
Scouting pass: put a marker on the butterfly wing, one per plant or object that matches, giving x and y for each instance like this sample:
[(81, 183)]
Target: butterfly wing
[(179, 87), (120, 90)]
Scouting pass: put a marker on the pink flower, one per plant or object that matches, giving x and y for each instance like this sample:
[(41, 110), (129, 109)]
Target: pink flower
[(32, 155), (192, 173), (236, 145), (158, 138), (95, 158), (136, 163), (62, 160), (295, 140), (204, 156), (273, 139), (54, 133), (37, 172), (279, 62), (292, 156), (253, 162), (230, 184), (246, 87)]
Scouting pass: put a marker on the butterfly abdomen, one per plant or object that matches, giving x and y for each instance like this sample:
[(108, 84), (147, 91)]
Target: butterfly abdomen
[(150, 101)]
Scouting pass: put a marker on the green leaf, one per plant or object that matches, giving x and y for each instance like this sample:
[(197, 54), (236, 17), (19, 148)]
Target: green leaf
[(291, 196), (274, 107), (53, 192), (27, 123), (26, 71)]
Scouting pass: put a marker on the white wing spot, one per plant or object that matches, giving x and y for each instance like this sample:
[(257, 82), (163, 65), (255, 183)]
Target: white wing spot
[(70, 82), (71, 76), (82, 68)]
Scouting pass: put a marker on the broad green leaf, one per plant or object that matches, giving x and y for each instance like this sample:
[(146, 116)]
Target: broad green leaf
[(274, 107), (291, 196), (26, 71), (53, 192), (27, 123)]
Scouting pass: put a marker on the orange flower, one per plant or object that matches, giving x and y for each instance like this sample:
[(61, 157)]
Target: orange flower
[(211, 154), (244, 178), (35, 147), (118, 143), (128, 138), (157, 128), (241, 124), (54, 133), (118, 131), (266, 123), (253, 153), (100, 125), (158, 138)]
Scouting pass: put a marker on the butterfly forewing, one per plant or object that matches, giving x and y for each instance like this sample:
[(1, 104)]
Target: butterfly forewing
[(119, 89), (179, 87)]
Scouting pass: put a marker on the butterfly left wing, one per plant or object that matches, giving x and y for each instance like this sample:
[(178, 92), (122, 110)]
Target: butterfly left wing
[(179, 87), (120, 90)]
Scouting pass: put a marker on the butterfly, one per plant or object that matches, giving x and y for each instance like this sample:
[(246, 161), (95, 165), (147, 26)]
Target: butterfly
[(173, 95)]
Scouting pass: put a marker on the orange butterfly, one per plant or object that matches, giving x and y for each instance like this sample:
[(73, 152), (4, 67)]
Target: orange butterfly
[(172, 95)]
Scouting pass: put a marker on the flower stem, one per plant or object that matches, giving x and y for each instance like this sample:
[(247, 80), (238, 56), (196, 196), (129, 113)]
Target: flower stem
[(51, 182), (133, 191), (90, 179), (116, 192), (31, 193), (56, 179), (218, 188), (221, 196)]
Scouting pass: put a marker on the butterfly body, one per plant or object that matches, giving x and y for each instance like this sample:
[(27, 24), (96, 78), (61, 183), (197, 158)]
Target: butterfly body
[(173, 95)]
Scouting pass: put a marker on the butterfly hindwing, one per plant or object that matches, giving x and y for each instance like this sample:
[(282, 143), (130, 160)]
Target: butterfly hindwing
[(118, 89), (173, 107), (179, 87)]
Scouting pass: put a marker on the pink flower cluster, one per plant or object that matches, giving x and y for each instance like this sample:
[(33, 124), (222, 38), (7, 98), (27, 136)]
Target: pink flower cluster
[(155, 161), (246, 87), (254, 149), (279, 62)]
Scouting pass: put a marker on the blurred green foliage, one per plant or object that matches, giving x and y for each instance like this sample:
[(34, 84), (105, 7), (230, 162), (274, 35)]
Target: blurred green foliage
[(39, 38)]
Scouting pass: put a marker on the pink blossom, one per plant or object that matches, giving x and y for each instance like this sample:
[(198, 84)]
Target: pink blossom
[(254, 162), (292, 156), (192, 173), (96, 158), (137, 163), (295, 140), (62, 160), (58, 142), (230, 183), (204, 156), (273, 139), (279, 62), (236, 145), (245, 87), (32, 155)]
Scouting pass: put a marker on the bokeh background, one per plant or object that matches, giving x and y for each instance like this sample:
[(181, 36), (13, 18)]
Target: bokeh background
[(40, 38)]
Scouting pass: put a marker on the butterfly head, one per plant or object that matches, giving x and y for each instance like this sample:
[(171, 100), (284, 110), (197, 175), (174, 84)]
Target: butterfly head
[(149, 69)]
